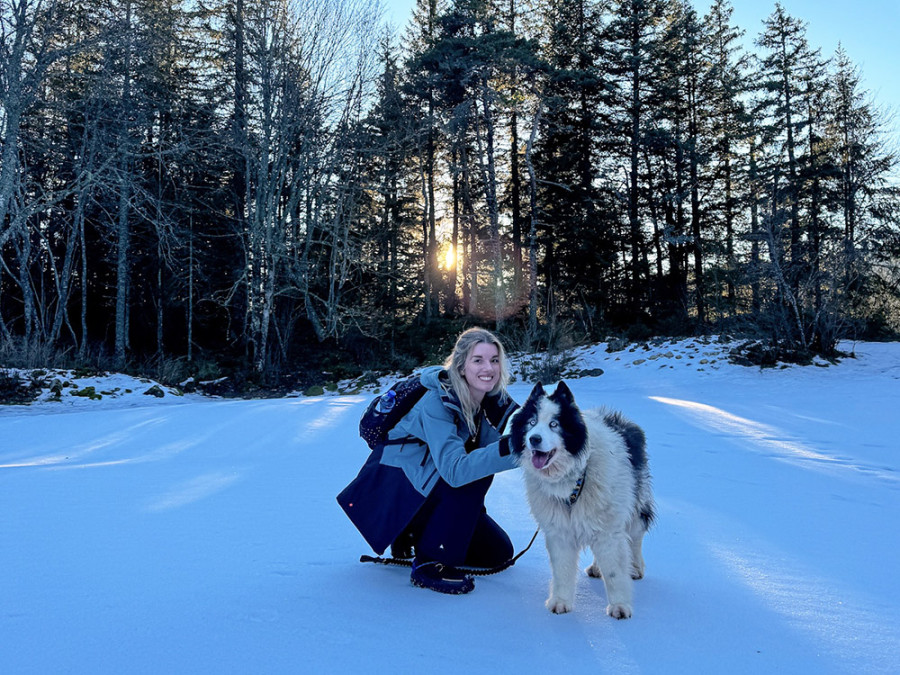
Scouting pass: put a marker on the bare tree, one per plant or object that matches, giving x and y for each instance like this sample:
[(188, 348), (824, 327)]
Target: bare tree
[(309, 67), (33, 39)]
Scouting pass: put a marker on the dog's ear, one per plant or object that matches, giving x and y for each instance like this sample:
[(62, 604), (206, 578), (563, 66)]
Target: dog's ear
[(538, 391), (510, 422), (563, 393)]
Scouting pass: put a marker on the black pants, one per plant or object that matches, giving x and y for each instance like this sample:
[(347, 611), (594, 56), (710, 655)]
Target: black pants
[(453, 528)]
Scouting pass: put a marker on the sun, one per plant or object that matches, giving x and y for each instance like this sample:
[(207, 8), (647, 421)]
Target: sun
[(451, 258)]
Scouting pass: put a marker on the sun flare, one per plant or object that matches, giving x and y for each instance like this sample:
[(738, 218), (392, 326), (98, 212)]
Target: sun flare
[(451, 257)]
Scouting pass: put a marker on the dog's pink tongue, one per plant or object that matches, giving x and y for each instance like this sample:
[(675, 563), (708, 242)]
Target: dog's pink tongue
[(540, 459)]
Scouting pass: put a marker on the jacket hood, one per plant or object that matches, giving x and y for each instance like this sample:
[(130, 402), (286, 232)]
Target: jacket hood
[(430, 377), (437, 379)]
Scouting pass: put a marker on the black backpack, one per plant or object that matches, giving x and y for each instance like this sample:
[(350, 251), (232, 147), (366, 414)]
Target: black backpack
[(374, 424)]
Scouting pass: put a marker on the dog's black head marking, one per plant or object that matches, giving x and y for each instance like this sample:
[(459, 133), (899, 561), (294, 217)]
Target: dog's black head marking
[(571, 423), (523, 416)]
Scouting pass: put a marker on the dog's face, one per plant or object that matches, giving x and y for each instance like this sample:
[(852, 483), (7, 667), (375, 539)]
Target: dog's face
[(549, 434)]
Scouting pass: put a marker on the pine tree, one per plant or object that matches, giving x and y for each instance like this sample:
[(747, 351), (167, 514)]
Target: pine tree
[(790, 72), (865, 199), (577, 231), (863, 157), (422, 35), (632, 39), (674, 149), (392, 129), (729, 129), (460, 73), (786, 69)]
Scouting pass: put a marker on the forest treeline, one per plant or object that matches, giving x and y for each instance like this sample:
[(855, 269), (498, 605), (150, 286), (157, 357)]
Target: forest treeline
[(277, 185)]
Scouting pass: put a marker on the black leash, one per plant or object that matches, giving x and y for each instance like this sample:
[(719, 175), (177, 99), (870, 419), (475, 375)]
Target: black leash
[(475, 571)]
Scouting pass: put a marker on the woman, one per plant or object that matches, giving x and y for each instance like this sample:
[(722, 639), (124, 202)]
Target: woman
[(426, 492)]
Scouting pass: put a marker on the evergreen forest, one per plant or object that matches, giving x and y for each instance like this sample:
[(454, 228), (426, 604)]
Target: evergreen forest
[(282, 188)]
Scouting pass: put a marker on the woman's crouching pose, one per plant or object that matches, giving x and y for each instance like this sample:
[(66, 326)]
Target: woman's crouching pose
[(422, 491)]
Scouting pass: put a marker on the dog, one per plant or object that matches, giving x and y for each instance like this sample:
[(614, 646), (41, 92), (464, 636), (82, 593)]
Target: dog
[(588, 485)]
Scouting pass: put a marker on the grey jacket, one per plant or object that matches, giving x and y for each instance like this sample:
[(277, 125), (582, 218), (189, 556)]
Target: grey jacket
[(438, 435)]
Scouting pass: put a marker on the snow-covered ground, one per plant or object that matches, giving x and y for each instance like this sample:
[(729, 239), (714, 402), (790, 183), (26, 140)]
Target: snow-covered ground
[(198, 535)]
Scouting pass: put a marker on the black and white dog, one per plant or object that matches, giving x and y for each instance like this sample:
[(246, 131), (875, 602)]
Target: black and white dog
[(588, 485)]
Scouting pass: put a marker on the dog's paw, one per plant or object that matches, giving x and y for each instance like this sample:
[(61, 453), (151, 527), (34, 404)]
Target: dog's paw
[(619, 611), (594, 571), (637, 569), (558, 606)]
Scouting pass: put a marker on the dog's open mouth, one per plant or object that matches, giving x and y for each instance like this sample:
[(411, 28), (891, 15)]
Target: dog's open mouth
[(541, 459)]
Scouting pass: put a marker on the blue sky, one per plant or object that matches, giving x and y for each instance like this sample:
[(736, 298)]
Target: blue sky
[(866, 28)]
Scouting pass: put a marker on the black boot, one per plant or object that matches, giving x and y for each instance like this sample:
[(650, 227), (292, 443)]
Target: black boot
[(441, 578), (403, 546)]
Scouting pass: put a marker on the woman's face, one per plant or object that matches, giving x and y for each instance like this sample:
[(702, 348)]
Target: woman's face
[(482, 369)]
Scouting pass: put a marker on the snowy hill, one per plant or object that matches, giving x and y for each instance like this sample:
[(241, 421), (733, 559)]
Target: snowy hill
[(185, 534)]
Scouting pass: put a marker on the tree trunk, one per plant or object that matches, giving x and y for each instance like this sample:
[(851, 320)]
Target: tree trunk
[(753, 179), (123, 233), (489, 171), (638, 254), (123, 236), (532, 230)]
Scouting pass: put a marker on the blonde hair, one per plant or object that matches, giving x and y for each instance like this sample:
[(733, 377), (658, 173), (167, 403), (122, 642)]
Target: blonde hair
[(456, 365)]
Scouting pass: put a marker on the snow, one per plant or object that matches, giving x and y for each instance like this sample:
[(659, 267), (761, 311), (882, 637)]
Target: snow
[(190, 534)]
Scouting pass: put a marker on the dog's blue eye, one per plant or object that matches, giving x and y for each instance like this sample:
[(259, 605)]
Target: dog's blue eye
[(554, 424), (532, 422)]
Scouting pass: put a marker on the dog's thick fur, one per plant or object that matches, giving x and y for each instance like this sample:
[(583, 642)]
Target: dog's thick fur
[(556, 444)]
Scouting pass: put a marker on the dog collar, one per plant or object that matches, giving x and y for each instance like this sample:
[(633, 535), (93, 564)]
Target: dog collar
[(576, 492)]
